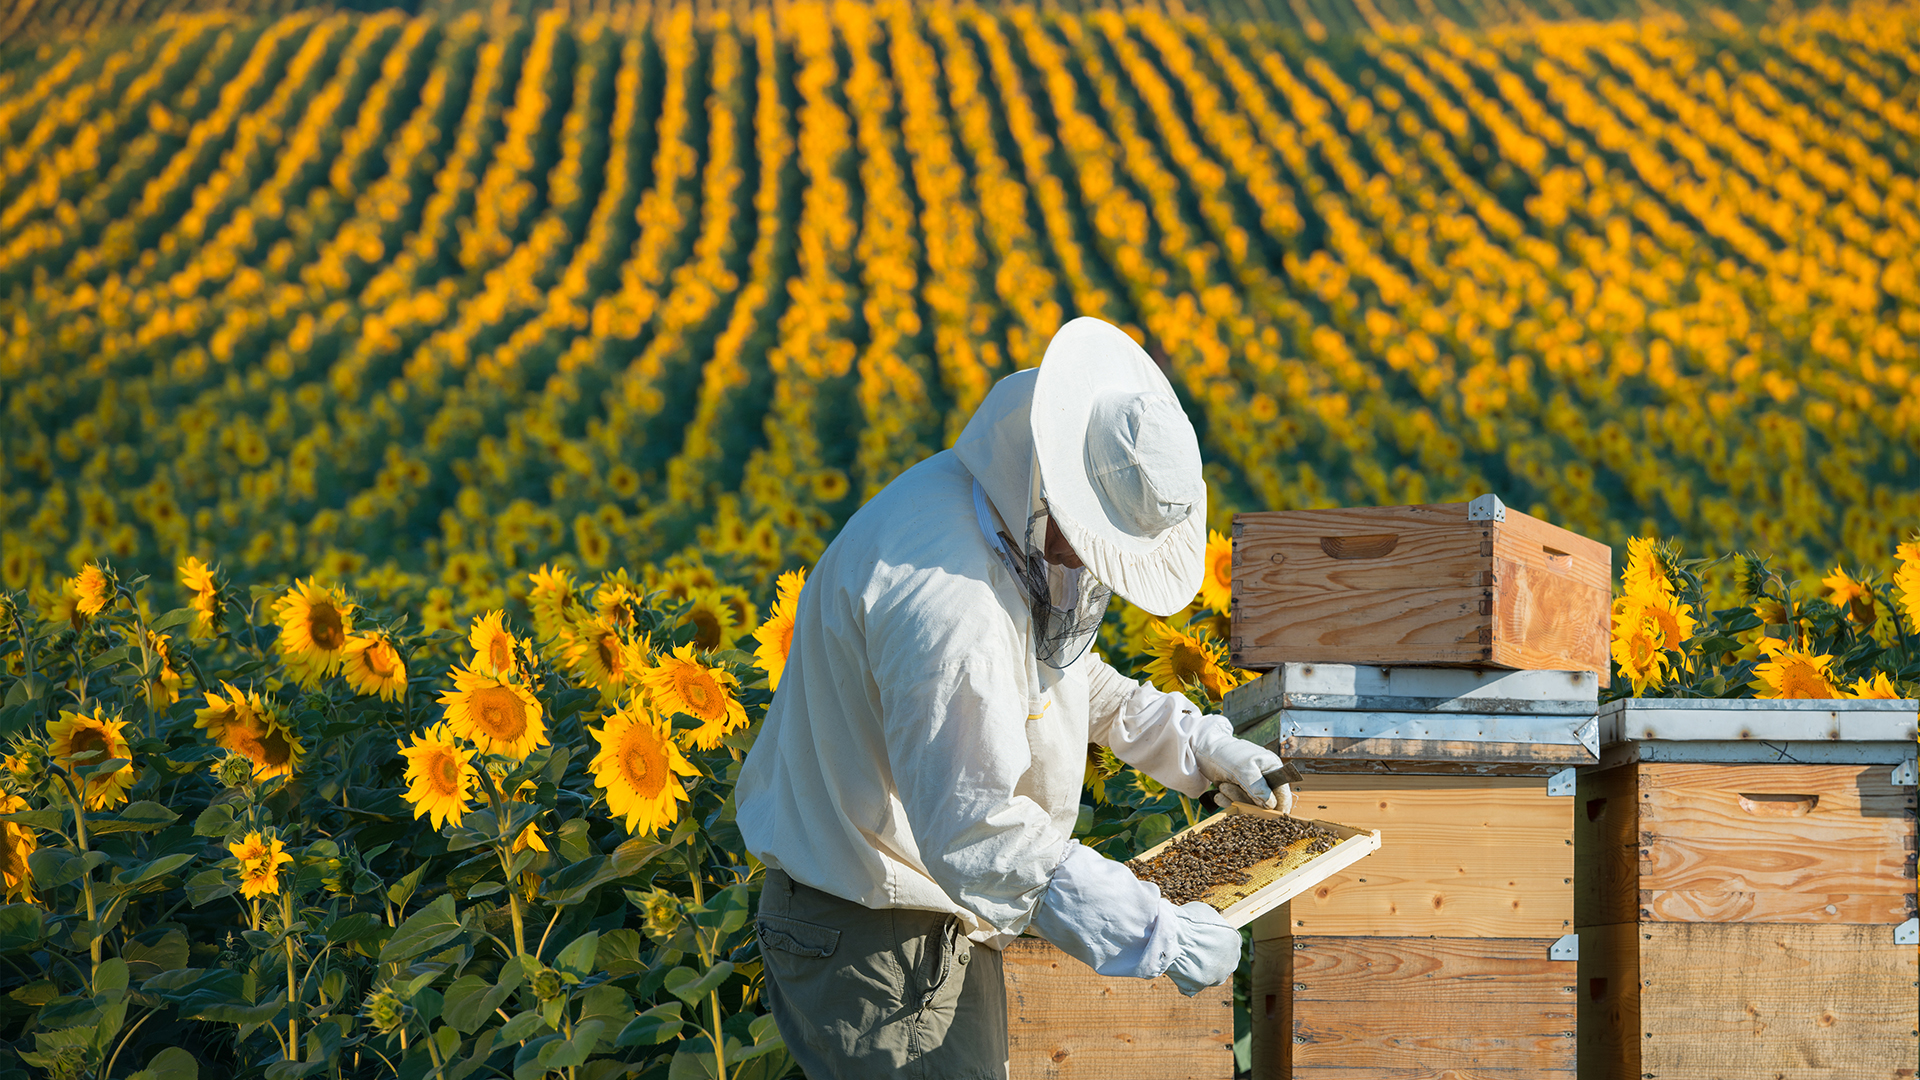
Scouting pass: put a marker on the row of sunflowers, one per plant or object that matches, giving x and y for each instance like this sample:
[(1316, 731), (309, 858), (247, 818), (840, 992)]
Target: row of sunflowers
[(315, 837), (470, 292)]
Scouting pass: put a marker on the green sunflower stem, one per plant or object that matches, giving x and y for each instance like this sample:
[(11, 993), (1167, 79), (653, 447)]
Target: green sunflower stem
[(293, 983), (86, 879), (706, 961), (505, 850)]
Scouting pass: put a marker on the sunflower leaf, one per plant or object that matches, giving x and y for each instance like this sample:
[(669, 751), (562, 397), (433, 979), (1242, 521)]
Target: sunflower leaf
[(577, 958), (432, 925), (136, 817), (176, 617), (160, 867), (652, 1027), (690, 986)]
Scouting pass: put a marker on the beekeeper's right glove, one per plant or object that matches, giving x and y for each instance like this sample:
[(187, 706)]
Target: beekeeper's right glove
[(1096, 911)]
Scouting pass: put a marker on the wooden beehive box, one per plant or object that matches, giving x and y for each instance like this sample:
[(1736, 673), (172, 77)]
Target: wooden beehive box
[(1746, 900), (1468, 584), (1067, 1022), (1447, 952)]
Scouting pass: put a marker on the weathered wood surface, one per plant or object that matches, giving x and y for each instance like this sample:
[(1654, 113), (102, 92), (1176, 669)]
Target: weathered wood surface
[(1746, 843), (1462, 856), (1609, 993), (1371, 1006), (1417, 585), (1065, 1022), (1720, 1000)]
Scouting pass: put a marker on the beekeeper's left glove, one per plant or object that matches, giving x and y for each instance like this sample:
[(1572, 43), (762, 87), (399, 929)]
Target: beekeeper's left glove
[(1238, 766)]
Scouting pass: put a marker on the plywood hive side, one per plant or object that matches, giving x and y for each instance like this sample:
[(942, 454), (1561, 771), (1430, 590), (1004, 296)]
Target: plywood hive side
[(1066, 1021), (1551, 595)]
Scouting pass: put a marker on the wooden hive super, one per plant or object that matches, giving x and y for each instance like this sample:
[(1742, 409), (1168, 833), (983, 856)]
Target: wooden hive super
[(1066, 1021), (1473, 584), (1447, 952), (1746, 895)]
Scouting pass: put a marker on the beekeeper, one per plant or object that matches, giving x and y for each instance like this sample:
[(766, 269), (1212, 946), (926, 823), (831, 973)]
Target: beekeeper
[(914, 789)]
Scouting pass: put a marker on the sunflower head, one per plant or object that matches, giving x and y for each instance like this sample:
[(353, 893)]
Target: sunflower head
[(83, 741), (601, 657), (197, 578), (680, 683), (498, 717), (554, 600), (776, 634), (440, 776), (1636, 649), (1795, 674), (372, 666), (1646, 571), (1216, 585), (1181, 660), (1906, 580), (386, 1011), (661, 914), (1878, 687), (639, 767), (28, 764), (260, 857), (246, 725), (315, 623), (714, 620), (93, 588), (17, 843), (493, 646), (1852, 596)]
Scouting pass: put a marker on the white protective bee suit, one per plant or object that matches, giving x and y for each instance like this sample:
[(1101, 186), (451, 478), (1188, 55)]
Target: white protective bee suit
[(924, 755)]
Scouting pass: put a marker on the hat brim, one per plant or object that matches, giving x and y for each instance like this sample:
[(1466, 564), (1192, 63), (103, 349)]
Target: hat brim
[(1085, 359)]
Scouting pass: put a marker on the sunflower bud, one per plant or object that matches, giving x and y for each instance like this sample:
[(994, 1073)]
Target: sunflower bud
[(547, 984), (385, 1011), (234, 771), (8, 613), (27, 765), (660, 915)]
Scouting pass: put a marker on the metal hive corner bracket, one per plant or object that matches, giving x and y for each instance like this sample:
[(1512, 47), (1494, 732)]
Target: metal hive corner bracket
[(1907, 933), (1487, 508), (1907, 773), (1566, 948), (1562, 782)]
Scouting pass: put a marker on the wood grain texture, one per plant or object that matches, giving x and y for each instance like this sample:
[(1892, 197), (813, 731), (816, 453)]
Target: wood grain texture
[(1065, 1021), (1671, 842), (1418, 585), (1606, 845), (1724, 1000), (1609, 993), (1373, 1006), (1461, 856), (1324, 753)]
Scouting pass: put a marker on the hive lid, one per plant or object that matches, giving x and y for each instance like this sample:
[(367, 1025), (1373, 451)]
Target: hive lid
[(1749, 720), (1275, 881), (1369, 688)]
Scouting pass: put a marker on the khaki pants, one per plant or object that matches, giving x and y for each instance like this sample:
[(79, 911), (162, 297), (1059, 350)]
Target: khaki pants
[(861, 993)]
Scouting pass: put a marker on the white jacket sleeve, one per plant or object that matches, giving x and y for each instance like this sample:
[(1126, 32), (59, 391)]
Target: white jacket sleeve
[(1149, 729), (952, 692)]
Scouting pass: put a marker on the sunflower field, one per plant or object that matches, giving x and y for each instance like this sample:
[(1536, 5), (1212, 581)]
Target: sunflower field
[(418, 423)]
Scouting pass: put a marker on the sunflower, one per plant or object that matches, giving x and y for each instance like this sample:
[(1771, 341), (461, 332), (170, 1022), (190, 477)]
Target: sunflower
[(1906, 580), (1102, 766), (1878, 687), (244, 724), (498, 717), (639, 768), (1216, 587), (712, 619), (315, 622), (1646, 572), (776, 634), (440, 776), (1791, 673), (17, 842), (601, 657), (681, 684), (261, 858), (554, 601), (493, 645), (1637, 651), (529, 838), (163, 689), (618, 602), (1181, 659), (62, 606), (197, 578), (93, 589), (373, 666), (1855, 598), (105, 737), (681, 582)]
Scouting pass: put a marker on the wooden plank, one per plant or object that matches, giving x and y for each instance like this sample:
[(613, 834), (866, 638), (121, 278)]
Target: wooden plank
[(1721, 999), (1609, 991), (1428, 626), (1775, 843), (1545, 619), (1065, 1021), (1606, 846), (1368, 1006), (1528, 541), (1462, 856), (1270, 1005)]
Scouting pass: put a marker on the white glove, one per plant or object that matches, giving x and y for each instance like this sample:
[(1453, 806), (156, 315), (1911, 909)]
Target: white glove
[(1209, 949), (1097, 912), (1238, 766)]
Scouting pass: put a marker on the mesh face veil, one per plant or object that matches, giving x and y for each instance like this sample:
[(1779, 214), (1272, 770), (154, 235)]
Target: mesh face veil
[(1066, 604)]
